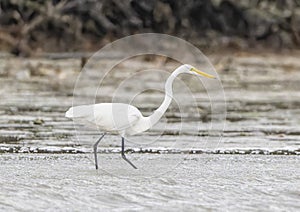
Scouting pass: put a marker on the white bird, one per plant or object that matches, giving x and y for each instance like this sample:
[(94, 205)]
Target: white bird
[(125, 119)]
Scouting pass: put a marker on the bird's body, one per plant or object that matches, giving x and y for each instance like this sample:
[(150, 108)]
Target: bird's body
[(125, 119), (117, 118)]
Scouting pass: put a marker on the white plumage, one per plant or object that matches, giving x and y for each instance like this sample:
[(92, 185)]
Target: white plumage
[(126, 119), (110, 117)]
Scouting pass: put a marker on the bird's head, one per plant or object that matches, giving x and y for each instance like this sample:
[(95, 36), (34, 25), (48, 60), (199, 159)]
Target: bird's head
[(188, 69)]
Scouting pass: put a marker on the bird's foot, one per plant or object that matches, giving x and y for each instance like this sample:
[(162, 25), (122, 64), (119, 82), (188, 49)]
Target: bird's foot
[(128, 161)]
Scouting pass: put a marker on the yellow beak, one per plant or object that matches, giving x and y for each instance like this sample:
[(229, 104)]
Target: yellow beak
[(203, 73)]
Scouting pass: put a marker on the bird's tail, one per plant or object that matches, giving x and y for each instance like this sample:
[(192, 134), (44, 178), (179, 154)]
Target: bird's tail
[(78, 111)]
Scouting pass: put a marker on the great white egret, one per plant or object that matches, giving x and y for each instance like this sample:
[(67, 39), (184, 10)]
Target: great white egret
[(125, 119)]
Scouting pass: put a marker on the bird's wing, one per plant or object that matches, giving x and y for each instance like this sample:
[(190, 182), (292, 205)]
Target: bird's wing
[(132, 119), (115, 116)]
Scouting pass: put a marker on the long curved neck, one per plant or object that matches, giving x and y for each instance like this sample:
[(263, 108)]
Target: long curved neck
[(159, 112)]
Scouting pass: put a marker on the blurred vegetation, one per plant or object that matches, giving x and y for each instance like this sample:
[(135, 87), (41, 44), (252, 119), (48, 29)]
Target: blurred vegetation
[(28, 27)]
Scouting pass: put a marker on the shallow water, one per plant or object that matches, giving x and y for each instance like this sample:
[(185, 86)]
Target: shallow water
[(255, 166), (199, 182), (262, 108)]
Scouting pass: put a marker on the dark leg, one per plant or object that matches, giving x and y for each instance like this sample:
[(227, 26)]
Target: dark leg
[(95, 150), (123, 154)]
